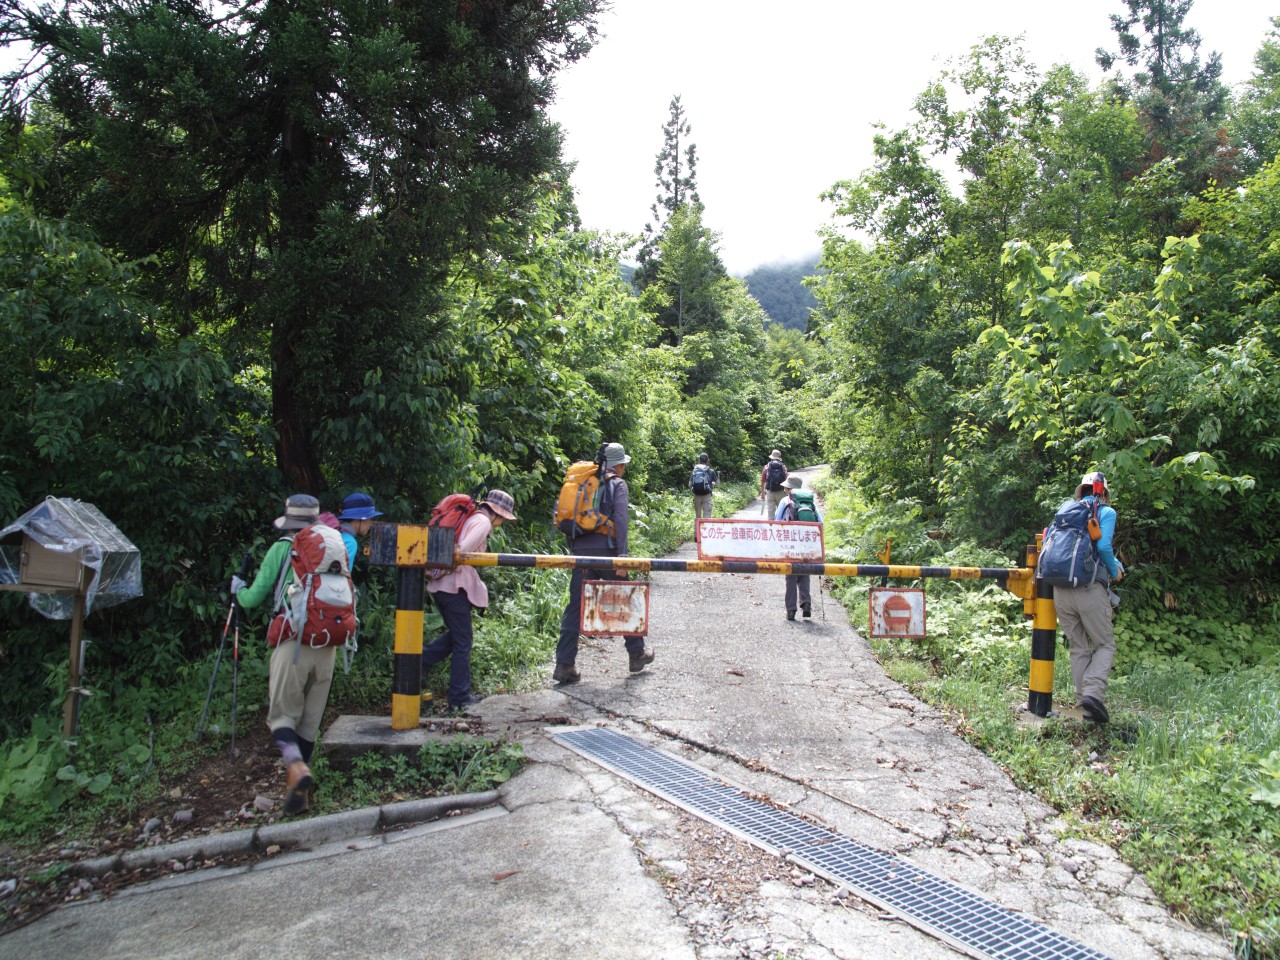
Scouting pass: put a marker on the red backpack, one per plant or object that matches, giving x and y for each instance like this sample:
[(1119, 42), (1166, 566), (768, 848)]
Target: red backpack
[(319, 604), (451, 513)]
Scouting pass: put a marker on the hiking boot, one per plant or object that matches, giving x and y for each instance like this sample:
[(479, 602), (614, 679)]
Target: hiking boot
[(566, 674), (638, 661), (297, 797), (1094, 710), (807, 612), (470, 700), (791, 614)]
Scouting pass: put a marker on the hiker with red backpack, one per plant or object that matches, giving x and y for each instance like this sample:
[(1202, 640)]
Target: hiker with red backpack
[(456, 592), (308, 574)]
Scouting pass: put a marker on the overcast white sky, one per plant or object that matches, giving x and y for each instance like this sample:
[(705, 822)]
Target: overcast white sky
[(782, 97)]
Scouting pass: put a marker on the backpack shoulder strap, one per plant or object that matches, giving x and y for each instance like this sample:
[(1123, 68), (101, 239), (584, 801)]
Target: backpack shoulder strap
[(285, 566)]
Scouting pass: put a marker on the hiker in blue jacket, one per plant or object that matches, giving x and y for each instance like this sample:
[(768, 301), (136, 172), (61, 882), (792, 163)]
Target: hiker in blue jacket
[(1085, 613)]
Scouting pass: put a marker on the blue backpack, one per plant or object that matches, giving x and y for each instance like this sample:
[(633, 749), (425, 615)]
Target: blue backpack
[(1068, 557)]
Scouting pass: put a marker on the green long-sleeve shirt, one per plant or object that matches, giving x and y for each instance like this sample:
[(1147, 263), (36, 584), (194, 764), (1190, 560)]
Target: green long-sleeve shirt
[(264, 584)]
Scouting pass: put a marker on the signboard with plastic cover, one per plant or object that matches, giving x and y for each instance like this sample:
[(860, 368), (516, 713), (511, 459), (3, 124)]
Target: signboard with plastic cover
[(64, 526)]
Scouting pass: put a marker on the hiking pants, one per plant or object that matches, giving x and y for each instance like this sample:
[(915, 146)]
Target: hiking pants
[(454, 643), (797, 584), (701, 505), (298, 687), (1085, 613), (771, 499), (571, 621)]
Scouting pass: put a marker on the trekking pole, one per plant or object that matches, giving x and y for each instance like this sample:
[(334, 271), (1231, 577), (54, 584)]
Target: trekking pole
[(216, 663), (235, 654), (226, 628)]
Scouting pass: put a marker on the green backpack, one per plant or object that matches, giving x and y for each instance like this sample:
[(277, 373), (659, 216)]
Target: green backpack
[(803, 507)]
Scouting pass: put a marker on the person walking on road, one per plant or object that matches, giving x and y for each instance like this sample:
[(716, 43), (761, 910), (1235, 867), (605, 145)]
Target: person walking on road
[(613, 504), (797, 505), (701, 482), (456, 592), (1085, 613), (771, 478), (301, 671)]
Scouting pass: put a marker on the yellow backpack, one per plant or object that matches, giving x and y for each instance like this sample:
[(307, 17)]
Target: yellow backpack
[(583, 506)]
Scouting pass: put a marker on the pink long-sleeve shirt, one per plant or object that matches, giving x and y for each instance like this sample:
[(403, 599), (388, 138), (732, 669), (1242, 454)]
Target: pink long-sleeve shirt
[(472, 538)]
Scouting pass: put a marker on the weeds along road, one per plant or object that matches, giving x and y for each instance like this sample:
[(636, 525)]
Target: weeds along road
[(579, 862)]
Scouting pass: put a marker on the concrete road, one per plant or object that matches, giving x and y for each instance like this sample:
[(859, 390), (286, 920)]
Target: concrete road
[(578, 862)]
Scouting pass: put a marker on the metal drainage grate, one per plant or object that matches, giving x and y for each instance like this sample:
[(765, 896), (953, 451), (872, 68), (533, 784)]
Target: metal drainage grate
[(955, 915)]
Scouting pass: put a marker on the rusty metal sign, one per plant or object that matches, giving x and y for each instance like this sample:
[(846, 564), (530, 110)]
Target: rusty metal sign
[(612, 608), (897, 612), (760, 540)]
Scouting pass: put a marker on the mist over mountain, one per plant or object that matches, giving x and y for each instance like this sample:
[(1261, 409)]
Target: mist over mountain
[(780, 289)]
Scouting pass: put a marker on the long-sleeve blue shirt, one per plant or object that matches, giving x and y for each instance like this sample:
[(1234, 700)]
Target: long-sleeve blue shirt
[(1107, 523)]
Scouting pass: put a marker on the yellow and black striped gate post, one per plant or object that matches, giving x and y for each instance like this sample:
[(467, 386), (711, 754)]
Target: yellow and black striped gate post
[(404, 546), (1044, 638), (406, 682)]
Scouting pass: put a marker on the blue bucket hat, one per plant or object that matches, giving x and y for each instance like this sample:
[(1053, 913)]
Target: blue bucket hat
[(359, 506)]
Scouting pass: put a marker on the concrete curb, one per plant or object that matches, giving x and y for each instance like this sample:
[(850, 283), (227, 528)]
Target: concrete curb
[(301, 833)]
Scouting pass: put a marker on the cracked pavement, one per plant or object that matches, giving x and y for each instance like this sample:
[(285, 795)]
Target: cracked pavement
[(579, 862)]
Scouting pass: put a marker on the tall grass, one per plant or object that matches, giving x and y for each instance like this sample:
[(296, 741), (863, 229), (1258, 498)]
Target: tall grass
[(1177, 782)]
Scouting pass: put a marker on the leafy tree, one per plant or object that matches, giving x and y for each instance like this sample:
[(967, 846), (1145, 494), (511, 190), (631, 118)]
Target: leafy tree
[(548, 336), (1181, 100), (104, 402), (303, 174), (676, 169), (1255, 123), (685, 277)]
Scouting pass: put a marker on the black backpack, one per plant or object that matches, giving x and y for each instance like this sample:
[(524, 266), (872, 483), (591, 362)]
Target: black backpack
[(700, 480), (774, 474), (1068, 557)]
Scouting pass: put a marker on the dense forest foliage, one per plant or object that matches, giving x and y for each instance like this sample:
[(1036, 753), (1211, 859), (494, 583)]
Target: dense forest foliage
[(295, 249), (781, 290), (1096, 292), (283, 271), (324, 247)]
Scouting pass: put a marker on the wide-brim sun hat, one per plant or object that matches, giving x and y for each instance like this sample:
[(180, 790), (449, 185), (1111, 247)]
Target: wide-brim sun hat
[(300, 511), (614, 455), (501, 503), (359, 506), (793, 482), (775, 455), (1089, 483)]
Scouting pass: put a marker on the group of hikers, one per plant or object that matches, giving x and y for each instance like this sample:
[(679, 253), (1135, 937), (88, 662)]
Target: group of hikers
[(307, 573)]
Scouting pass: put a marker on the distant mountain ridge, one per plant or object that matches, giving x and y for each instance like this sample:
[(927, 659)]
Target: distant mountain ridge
[(780, 289)]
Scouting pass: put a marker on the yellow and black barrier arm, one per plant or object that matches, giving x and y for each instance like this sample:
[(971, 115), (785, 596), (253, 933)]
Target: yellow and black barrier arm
[(409, 547), (1008, 577)]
